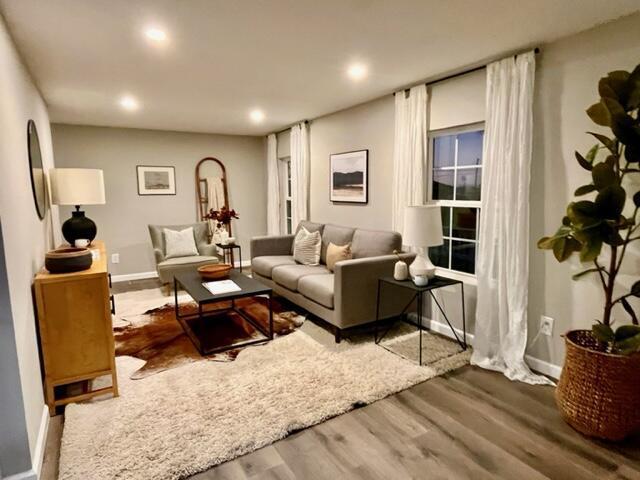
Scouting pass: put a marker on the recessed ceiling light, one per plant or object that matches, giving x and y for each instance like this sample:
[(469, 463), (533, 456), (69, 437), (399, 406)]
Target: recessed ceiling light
[(357, 71), (156, 35), (256, 116), (129, 103)]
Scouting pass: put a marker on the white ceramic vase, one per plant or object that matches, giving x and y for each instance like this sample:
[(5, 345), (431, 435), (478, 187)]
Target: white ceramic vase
[(400, 271)]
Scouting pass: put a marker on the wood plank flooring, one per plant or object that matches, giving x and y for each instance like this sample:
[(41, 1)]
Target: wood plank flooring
[(468, 424)]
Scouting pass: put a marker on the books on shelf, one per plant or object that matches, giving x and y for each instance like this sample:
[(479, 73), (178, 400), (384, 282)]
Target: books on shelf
[(220, 287)]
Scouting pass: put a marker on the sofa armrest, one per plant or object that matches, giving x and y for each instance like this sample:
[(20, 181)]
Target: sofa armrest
[(271, 245), (356, 289), (208, 249), (159, 255)]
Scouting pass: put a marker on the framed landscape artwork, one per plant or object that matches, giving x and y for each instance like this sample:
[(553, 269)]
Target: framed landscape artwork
[(349, 177), (156, 180)]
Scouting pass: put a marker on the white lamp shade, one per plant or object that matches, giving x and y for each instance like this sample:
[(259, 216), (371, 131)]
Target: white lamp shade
[(77, 186), (422, 226)]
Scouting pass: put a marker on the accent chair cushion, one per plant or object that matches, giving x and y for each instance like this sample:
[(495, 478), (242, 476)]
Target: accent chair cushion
[(289, 275), (180, 243), (318, 288), (306, 247), (265, 265), (372, 243), (168, 268), (337, 235), (336, 253)]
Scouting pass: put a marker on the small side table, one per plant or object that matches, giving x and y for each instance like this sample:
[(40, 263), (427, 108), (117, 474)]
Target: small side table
[(227, 250), (434, 283)]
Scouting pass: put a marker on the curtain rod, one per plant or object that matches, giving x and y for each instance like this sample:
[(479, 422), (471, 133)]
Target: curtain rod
[(289, 127), (536, 50)]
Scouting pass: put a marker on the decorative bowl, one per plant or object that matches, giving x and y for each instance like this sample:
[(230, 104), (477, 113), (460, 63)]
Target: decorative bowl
[(218, 271), (67, 260)]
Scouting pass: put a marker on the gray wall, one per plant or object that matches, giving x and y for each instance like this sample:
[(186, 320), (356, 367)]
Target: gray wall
[(26, 239), (566, 84), (122, 221)]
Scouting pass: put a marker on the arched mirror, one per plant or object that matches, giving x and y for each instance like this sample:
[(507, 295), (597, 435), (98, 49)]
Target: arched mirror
[(211, 189), (38, 184)]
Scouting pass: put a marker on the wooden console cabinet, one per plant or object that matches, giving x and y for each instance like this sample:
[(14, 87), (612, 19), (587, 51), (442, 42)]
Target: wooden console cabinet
[(76, 333)]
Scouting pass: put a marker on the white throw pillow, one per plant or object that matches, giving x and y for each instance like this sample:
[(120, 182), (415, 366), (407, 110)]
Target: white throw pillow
[(306, 247), (179, 244)]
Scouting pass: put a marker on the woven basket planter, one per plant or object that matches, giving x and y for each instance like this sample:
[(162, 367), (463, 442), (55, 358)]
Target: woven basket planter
[(599, 393)]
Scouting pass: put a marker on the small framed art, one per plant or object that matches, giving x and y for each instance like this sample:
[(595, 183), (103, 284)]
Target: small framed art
[(154, 180)]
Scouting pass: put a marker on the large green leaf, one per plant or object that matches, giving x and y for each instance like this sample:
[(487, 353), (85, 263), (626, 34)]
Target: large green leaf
[(564, 247), (636, 199), (603, 332), (632, 153), (615, 85), (584, 163), (626, 331), (635, 289), (633, 101), (629, 345), (599, 113), (591, 250), (610, 201), (585, 189), (610, 143), (627, 306), (591, 154), (626, 129), (603, 175)]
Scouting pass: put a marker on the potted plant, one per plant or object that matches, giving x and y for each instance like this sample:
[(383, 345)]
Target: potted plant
[(599, 388)]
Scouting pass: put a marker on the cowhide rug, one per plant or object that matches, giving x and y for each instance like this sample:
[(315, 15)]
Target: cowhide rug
[(156, 336)]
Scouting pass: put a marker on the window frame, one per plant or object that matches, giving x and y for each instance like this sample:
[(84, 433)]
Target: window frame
[(443, 132), (285, 191)]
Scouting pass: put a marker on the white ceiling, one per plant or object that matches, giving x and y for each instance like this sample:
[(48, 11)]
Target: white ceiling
[(287, 57)]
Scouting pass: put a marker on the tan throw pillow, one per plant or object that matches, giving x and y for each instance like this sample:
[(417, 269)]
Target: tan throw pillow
[(335, 253), (306, 247)]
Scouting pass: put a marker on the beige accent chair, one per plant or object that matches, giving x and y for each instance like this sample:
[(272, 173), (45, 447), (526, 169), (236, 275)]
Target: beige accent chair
[(346, 297), (168, 267)]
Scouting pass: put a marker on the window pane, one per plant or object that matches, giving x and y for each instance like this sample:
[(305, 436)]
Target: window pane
[(288, 225), (288, 208), (440, 255), (468, 184), (464, 222), (443, 184), (444, 151), (463, 256), (470, 148), (446, 221)]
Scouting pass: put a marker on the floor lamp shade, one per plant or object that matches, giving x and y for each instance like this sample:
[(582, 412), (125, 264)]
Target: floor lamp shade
[(422, 229), (77, 186)]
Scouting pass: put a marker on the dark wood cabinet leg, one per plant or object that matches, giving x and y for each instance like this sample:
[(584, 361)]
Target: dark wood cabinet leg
[(337, 334)]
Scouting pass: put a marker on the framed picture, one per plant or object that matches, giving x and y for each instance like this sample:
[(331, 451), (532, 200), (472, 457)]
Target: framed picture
[(349, 177), (156, 180)]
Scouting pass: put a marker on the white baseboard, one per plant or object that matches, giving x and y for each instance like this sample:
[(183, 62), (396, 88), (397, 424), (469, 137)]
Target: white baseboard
[(245, 263), (536, 364), (26, 475), (127, 277)]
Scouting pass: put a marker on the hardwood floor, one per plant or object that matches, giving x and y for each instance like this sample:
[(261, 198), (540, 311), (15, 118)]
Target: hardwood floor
[(468, 424)]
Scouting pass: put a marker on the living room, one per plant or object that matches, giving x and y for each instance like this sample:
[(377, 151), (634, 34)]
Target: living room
[(341, 174)]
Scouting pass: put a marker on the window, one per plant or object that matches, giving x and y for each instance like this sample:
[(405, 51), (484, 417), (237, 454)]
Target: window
[(455, 181), (285, 182)]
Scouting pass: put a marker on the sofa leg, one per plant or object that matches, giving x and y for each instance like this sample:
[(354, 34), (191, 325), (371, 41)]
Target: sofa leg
[(337, 335)]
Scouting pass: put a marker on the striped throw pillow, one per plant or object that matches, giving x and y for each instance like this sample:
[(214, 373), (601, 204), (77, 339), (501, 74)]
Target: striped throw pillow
[(306, 247)]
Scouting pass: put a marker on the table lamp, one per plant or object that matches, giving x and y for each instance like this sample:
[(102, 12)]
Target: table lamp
[(77, 186), (422, 229)]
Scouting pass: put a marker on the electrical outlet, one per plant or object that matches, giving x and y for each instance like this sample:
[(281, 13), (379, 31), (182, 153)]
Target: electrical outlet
[(546, 325), (115, 258)]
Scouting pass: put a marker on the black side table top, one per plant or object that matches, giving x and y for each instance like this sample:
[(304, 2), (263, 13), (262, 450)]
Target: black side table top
[(435, 282), (227, 246)]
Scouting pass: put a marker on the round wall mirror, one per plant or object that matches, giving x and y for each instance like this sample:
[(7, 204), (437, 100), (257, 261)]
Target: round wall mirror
[(38, 184)]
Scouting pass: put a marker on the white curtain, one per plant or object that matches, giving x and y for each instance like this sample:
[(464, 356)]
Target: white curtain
[(503, 252), (299, 173), (274, 211), (409, 152)]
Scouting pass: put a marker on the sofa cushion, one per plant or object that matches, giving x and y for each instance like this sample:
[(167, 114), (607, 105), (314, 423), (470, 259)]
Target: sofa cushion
[(372, 243), (337, 235), (318, 288), (265, 265), (289, 275)]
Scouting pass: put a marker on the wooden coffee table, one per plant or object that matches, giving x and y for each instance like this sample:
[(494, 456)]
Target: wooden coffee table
[(191, 282)]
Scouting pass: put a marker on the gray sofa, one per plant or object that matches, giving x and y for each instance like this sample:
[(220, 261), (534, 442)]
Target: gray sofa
[(168, 267), (345, 298)]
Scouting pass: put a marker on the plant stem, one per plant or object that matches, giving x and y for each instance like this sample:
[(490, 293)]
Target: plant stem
[(604, 284), (608, 292)]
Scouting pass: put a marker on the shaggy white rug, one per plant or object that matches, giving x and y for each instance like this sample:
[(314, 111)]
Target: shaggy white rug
[(186, 420)]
